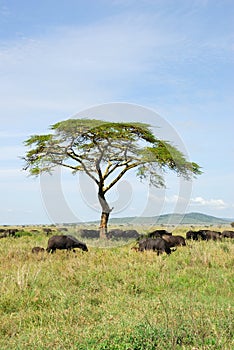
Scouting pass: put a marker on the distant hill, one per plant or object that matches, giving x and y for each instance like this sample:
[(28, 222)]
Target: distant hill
[(173, 219)]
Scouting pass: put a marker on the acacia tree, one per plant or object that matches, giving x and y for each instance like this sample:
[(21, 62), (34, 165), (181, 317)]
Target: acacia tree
[(106, 151)]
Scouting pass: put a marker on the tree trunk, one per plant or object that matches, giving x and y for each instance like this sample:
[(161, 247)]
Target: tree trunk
[(105, 214), (103, 225)]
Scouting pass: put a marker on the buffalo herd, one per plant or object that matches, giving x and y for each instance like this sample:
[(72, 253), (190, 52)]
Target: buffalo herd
[(162, 241), (114, 234), (207, 235), (159, 241), (8, 232)]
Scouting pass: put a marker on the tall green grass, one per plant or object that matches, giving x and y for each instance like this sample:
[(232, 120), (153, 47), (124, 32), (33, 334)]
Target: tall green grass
[(116, 298)]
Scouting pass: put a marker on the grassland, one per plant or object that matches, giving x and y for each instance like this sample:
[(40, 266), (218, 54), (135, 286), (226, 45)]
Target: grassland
[(116, 299)]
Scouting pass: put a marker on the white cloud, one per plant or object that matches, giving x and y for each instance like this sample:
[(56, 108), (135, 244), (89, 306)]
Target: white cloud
[(215, 203)]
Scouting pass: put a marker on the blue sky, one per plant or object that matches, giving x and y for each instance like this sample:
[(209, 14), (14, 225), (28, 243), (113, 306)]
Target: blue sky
[(60, 58)]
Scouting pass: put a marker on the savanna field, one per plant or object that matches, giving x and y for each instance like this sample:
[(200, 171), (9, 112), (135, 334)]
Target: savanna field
[(116, 298)]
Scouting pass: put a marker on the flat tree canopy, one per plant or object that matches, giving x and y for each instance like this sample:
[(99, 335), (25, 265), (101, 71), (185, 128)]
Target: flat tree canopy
[(105, 151)]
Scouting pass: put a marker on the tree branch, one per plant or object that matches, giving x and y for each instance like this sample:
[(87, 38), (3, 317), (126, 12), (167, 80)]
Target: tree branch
[(110, 170), (73, 155), (128, 167)]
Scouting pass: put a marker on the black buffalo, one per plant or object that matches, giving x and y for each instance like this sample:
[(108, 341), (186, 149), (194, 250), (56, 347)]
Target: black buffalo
[(158, 245), (228, 234), (174, 241), (84, 233), (4, 234), (204, 235), (158, 233), (47, 230), (213, 235), (210, 235), (123, 234), (60, 229), (196, 235), (12, 232), (64, 242), (8, 232), (36, 250)]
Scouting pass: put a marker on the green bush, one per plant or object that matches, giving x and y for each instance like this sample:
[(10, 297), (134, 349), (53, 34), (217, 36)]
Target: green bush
[(23, 234)]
